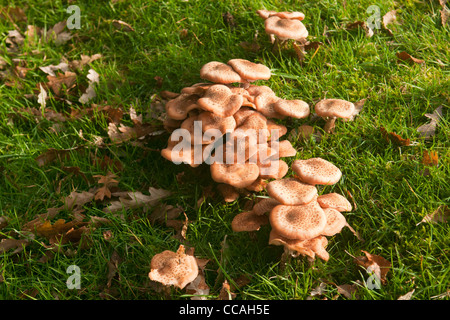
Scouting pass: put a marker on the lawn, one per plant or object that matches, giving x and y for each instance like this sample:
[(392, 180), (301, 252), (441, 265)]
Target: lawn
[(57, 147)]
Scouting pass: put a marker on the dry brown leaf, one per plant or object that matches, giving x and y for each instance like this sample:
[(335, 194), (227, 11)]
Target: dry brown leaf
[(389, 18), (440, 215), (348, 290), (225, 292), (122, 25), (428, 130), (3, 222), (404, 56), (108, 182), (52, 154), (376, 263), (137, 199), (113, 265), (50, 69), (360, 24), (407, 296), (8, 244), (394, 138), (430, 158), (57, 33), (90, 93), (62, 83)]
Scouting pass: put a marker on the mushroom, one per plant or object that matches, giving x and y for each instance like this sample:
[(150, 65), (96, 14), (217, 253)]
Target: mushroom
[(284, 147), (220, 100), (219, 72), (332, 109), (285, 29), (265, 205), (178, 108), (334, 200), (229, 193), (291, 191), (274, 169), (316, 171), (295, 247), (250, 71), (299, 222), (335, 222), (173, 268), (297, 109), (248, 221), (238, 175)]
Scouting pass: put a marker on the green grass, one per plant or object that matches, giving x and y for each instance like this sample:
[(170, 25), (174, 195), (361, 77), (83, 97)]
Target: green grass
[(385, 180)]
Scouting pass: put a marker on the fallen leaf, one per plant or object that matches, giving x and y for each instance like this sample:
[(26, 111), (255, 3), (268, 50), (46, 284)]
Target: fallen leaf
[(85, 60), (42, 97), (348, 290), (440, 215), (50, 70), (394, 138), (407, 296), (62, 81), (8, 244), (90, 93), (428, 130), (113, 265), (108, 182), (14, 14), (389, 18), (250, 46), (57, 33), (137, 199), (358, 108), (51, 155), (360, 24), (121, 25), (377, 264), (404, 56), (430, 158), (225, 292)]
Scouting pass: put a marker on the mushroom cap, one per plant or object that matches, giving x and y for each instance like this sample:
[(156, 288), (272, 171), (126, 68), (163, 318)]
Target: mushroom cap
[(229, 193), (291, 15), (212, 121), (335, 222), (309, 247), (274, 169), (238, 175), (248, 221), (291, 191), (179, 107), (220, 100), (285, 28), (265, 205), (249, 70), (184, 155), (276, 130), (255, 125), (243, 113), (298, 222), (335, 201), (196, 135), (316, 171), (298, 109), (263, 13), (219, 72), (284, 147), (173, 268), (335, 108), (265, 104)]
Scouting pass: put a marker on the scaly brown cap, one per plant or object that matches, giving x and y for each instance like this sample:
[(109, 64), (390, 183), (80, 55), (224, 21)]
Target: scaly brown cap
[(316, 171), (291, 191)]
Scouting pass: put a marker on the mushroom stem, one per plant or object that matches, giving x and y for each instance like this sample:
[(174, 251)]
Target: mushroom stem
[(329, 125)]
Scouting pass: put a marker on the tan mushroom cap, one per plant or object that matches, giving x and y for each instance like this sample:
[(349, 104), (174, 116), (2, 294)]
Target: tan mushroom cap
[(173, 268), (284, 147), (229, 193), (285, 28), (297, 109), (196, 135), (291, 15), (249, 70), (265, 205), (291, 191), (316, 171), (255, 125), (220, 100), (310, 247), (237, 175), (334, 200), (198, 89), (263, 13), (219, 72), (335, 222), (276, 130), (210, 120), (179, 107), (248, 221), (275, 169), (243, 113), (335, 108), (298, 222), (184, 155)]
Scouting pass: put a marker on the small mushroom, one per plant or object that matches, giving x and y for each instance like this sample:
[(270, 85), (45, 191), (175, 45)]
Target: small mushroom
[(248, 221), (335, 222), (173, 268), (285, 29), (284, 147), (238, 175), (265, 205), (291, 191), (310, 247), (298, 222), (334, 200), (219, 72), (179, 107), (297, 109), (220, 100), (331, 109), (250, 71), (316, 171), (229, 193)]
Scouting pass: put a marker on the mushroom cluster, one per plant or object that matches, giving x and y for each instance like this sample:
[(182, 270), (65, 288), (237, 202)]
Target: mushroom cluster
[(299, 217), (283, 26), (230, 124)]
